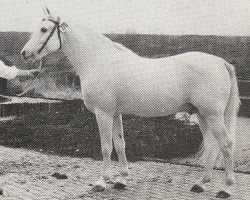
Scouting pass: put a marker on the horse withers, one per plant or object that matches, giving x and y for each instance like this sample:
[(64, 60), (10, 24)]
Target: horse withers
[(116, 81)]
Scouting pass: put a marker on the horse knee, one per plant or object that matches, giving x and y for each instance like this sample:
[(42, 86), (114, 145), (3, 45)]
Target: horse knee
[(120, 149), (227, 147), (106, 150)]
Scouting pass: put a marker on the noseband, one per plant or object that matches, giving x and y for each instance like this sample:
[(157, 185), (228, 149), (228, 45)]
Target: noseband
[(56, 26)]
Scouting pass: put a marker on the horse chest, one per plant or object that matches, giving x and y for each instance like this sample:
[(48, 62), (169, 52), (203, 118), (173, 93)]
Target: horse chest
[(97, 92)]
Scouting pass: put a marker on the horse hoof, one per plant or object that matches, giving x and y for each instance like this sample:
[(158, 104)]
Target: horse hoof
[(197, 188), (119, 186), (223, 194), (98, 188), (1, 191)]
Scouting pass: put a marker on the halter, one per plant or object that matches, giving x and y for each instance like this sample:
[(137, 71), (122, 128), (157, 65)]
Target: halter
[(56, 26)]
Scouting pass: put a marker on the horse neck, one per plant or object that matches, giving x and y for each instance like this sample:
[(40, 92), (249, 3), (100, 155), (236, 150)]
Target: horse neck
[(86, 50)]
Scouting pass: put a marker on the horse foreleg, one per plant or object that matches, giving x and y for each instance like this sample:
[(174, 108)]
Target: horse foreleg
[(105, 124), (119, 143)]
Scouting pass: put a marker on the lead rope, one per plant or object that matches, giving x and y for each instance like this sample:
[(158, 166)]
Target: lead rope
[(33, 82)]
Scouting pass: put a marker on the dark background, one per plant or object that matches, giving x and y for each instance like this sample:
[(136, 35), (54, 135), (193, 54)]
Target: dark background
[(235, 50), (69, 129)]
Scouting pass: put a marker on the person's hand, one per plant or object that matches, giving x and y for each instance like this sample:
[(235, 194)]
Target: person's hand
[(33, 72), (28, 73)]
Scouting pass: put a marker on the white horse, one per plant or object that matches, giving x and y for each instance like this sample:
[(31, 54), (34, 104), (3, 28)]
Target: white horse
[(116, 81)]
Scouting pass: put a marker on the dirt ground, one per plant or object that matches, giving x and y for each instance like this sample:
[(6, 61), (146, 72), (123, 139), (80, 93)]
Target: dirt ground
[(30, 175)]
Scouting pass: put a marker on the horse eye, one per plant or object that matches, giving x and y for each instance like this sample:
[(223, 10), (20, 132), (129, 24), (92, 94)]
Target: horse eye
[(44, 30)]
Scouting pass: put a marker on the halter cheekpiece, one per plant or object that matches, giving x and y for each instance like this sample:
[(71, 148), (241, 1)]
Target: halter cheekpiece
[(56, 26)]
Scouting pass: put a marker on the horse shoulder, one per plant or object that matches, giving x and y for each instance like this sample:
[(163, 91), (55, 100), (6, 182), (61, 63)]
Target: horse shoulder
[(98, 89)]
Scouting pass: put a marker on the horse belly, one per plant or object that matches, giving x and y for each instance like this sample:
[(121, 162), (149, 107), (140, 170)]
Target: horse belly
[(148, 110), (151, 93), (150, 104)]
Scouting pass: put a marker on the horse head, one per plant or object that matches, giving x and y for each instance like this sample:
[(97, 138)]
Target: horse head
[(46, 39)]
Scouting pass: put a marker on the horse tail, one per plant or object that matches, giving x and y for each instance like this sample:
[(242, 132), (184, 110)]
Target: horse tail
[(209, 149), (233, 104)]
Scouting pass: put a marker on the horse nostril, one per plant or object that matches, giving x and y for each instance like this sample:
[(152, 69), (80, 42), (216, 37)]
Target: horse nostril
[(23, 56)]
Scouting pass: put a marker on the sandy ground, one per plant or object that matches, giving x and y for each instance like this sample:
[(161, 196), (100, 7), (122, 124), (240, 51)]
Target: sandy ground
[(27, 175)]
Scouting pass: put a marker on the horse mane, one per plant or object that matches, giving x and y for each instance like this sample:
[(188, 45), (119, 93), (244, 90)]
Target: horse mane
[(117, 46), (101, 38), (122, 47)]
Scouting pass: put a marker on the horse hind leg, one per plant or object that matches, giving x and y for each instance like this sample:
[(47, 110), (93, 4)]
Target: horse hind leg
[(119, 143), (209, 152), (217, 125)]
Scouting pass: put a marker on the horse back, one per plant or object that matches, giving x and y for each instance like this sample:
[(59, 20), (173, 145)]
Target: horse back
[(153, 87)]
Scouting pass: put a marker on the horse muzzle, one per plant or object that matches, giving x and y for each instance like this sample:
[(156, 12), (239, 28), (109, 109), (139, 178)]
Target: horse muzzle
[(27, 56)]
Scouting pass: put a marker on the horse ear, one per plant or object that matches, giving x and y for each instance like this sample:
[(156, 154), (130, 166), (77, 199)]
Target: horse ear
[(46, 11)]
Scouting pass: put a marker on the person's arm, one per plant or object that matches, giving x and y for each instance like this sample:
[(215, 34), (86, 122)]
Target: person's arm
[(7, 72), (13, 72)]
